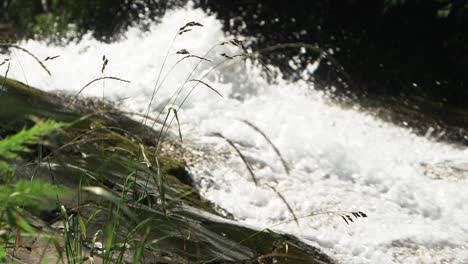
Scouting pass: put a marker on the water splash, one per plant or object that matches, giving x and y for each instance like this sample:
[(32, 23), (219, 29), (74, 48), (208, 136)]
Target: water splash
[(340, 159)]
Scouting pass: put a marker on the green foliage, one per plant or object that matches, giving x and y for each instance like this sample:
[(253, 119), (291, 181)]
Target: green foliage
[(444, 7), (2, 253), (22, 194), (10, 146), (50, 25), (56, 19), (26, 194)]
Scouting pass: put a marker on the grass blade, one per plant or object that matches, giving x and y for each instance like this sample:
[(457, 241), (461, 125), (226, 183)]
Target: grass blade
[(285, 202), (109, 241), (99, 191), (6, 75), (93, 81), (177, 119), (249, 168), (10, 45), (278, 153), (82, 226), (140, 250), (207, 85)]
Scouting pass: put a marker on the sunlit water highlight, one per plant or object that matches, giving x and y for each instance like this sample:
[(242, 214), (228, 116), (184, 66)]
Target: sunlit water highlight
[(340, 159)]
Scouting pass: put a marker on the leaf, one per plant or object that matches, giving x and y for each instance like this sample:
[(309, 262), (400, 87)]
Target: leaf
[(28, 194), (145, 159), (99, 232), (177, 119), (3, 165), (109, 240), (91, 217), (140, 249), (99, 191), (25, 226), (82, 226), (10, 146), (2, 253)]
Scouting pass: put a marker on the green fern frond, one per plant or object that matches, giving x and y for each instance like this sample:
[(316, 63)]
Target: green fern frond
[(10, 146), (28, 194)]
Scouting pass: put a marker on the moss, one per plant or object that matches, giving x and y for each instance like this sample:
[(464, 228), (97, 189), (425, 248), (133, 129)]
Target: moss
[(16, 87), (103, 150)]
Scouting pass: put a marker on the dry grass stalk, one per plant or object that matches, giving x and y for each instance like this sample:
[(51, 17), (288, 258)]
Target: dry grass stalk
[(51, 58), (278, 153), (6, 75), (10, 45), (247, 165), (285, 202), (93, 81), (207, 85)]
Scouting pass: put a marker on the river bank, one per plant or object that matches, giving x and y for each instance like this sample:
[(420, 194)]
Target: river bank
[(100, 148)]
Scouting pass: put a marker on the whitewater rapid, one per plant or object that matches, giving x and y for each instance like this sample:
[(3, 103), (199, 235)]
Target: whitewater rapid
[(340, 159)]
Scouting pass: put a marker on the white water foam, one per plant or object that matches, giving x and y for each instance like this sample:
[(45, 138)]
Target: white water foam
[(341, 159)]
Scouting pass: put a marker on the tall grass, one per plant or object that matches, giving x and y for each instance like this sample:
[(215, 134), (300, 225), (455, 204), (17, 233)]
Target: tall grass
[(119, 234)]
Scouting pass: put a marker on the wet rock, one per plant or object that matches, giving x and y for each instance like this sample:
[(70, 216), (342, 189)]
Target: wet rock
[(157, 202)]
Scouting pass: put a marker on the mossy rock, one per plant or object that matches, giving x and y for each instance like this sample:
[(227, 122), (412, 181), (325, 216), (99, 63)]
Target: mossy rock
[(111, 151)]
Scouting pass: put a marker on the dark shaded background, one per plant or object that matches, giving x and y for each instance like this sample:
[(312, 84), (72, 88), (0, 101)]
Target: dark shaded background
[(404, 51)]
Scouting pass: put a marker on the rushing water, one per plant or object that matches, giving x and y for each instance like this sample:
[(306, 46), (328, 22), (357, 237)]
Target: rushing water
[(413, 189)]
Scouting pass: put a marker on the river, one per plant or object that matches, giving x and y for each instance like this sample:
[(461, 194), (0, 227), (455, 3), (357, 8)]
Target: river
[(412, 187)]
